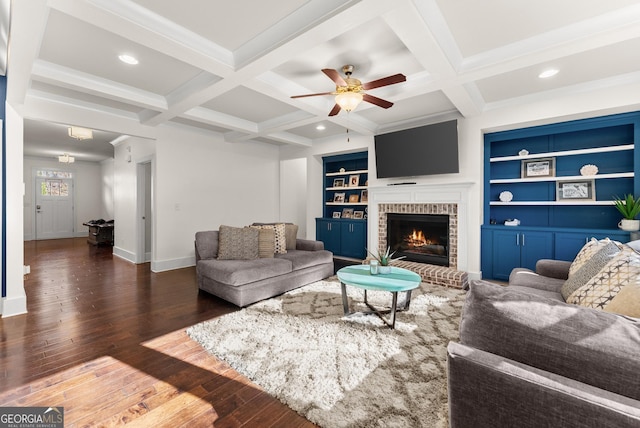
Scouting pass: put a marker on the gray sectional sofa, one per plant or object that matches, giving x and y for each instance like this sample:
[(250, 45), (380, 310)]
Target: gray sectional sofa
[(527, 358), (246, 281)]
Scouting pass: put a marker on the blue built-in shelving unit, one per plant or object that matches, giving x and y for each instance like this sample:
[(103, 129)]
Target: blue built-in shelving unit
[(552, 227)]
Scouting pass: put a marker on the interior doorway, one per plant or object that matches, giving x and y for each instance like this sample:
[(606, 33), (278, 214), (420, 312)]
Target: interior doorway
[(144, 173), (54, 204)]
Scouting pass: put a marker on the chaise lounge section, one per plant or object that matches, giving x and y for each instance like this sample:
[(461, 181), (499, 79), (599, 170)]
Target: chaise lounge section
[(249, 279)]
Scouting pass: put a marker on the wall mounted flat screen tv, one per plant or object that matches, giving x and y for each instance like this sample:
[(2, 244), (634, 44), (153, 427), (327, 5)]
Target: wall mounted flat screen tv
[(427, 150)]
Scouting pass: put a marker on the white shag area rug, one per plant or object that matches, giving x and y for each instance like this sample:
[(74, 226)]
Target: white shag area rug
[(342, 371)]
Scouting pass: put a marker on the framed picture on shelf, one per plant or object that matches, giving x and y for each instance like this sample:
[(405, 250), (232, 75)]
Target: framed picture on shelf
[(358, 214), (338, 197), (338, 182), (354, 198), (354, 180), (347, 213), (534, 168), (364, 196), (336, 214), (576, 190)]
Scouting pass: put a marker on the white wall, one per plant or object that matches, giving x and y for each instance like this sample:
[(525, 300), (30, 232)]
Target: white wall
[(106, 179), (293, 193), (88, 189)]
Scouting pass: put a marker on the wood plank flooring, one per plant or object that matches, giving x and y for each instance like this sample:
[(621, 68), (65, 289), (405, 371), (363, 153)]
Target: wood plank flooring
[(105, 339)]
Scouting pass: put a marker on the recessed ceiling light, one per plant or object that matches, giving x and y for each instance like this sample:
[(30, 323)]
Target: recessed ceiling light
[(128, 59), (321, 127), (548, 73)]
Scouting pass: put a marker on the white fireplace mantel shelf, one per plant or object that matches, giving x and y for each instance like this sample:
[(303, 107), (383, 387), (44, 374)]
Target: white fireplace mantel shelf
[(450, 193)]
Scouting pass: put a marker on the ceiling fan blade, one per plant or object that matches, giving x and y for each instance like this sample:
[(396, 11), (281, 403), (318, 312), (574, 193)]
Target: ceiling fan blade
[(335, 76), (311, 95), (385, 81), (377, 101), (335, 110)]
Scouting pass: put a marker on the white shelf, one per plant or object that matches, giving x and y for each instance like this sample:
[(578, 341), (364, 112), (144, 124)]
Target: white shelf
[(335, 174), (346, 188), (547, 203), (564, 153), (565, 178), (364, 204)]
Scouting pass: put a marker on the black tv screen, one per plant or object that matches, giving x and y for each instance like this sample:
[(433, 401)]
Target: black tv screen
[(431, 149)]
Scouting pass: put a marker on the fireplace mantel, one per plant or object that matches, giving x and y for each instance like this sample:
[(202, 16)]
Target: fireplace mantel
[(420, 194)]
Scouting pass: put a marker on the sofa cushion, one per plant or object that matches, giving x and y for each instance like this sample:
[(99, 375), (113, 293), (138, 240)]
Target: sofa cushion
[(266, 243), (280, 238), (594, 347), (621, 270), (303, 259), (589, 267), (237, 243), (240, 272)]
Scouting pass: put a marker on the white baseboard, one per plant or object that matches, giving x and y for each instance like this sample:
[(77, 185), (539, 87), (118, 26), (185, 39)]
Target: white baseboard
[(164, 265), (474, 276), (13, 306), (124, 254)]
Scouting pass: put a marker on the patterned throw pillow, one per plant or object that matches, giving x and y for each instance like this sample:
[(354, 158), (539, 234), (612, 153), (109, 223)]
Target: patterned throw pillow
[(622, 270), (237, 243), (586, 252), (280, 238), (589, 268)]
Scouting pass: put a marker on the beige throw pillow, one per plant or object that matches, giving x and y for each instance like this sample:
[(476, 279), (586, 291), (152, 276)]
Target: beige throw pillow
[(237, 243), (290, 235), (280, 239), (600, 291), (627, 302), (266, 243)]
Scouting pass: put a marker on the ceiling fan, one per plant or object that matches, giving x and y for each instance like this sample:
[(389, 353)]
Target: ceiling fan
[(350, 91)]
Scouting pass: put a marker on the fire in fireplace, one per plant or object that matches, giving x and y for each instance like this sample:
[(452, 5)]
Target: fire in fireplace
[(420, 238)]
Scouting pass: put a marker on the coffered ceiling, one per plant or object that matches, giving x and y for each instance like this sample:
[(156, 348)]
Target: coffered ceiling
[(230, 68)]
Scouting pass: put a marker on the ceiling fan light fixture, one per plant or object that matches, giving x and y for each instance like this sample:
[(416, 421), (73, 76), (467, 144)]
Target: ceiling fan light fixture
[(348, 100), (80, 133), (65, 158)]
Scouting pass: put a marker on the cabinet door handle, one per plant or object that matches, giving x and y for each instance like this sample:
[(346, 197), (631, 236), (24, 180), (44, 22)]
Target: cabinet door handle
[(517, 239), (523, 239)]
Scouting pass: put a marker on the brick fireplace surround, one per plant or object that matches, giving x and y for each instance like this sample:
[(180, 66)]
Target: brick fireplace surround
[(422, 199)]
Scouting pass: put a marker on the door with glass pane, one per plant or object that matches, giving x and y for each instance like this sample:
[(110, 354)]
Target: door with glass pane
[(54, 208)]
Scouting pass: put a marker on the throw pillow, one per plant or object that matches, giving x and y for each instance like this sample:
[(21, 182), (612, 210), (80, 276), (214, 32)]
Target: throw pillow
[(280, 239), (589, 267), (290, 235), (627, 302), (622, 270), (237, 243), (266, 243), (586, 252)]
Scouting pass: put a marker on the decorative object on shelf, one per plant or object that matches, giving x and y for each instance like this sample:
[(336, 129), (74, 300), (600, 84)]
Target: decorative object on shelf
[(347, 213), (364, 196), (354, 180), (576, 190), (338, 197), (342, 170), (629, 207), (523, 152), (338, 182), (366, 183), (506, 196), (589, 169), (534, 168), (336, 214), (512, 222), (354, 198), (384, 260), (358, 214)]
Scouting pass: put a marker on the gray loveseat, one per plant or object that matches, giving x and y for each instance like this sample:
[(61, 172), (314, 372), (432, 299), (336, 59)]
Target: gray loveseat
[(527, 358), (244, 282)]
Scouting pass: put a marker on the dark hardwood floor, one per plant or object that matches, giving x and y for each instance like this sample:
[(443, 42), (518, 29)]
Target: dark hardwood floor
[(106, 340)]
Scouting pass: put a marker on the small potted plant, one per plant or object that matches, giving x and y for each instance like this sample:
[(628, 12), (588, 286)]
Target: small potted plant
[(629, 207), (384, 260)]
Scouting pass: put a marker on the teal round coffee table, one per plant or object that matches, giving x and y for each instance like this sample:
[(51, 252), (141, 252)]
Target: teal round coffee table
[(399, 280)]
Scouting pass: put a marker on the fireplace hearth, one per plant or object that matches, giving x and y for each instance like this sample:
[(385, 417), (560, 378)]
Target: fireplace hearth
[(422, 238)]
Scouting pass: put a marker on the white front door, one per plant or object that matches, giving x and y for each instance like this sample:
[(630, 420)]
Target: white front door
[(54, 208)]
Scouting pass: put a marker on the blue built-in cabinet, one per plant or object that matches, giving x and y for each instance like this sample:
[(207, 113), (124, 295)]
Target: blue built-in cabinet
[(343, 227), (558, 207)]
